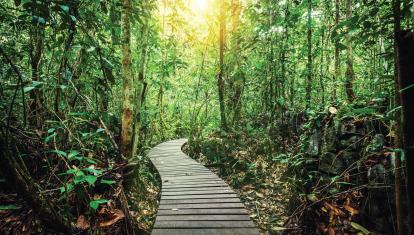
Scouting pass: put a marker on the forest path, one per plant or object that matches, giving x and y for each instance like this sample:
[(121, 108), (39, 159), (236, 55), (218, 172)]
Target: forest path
[(193, 199)]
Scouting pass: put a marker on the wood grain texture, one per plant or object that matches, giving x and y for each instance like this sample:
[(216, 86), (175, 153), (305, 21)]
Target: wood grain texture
[(194, 200)]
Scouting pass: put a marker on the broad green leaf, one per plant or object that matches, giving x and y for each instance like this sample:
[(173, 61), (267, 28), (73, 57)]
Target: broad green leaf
[(90, 179), (69, 187), (73, 18), (64, 8), (95, 203), (28, 88)]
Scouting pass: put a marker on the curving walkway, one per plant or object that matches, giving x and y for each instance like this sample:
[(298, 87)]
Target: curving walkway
[(193, 199)]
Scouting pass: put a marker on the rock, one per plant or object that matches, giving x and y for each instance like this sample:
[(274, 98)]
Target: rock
[(376, 174), (347, 128), (376, 144), (329, 139), (351, 144), (349, 157), (314, 143), (331, 164), (377, 181)]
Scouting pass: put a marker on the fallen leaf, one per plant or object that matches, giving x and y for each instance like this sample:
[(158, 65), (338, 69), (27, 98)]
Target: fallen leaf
[(333, 110), (116, 215), (351, 210), (82, 223), (359, 228)]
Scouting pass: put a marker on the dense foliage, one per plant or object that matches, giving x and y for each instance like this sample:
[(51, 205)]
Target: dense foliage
[(269, 92)]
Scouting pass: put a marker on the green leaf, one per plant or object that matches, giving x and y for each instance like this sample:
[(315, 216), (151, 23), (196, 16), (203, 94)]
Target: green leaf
[(68, 188), (73, 154), (109, 182), (73, 18), (95, 203), (90, 179), (359, 228), (64, 8), (406, 88), (8, 207), (51, 130), (28, 88), (32, 86), (90, 49), (93, 171)]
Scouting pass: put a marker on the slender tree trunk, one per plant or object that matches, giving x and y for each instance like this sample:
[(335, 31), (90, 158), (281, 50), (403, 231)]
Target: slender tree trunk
[(405, 50), (238, 77), (349, 74), (397, 141), (36, 53), (64, 63), (140, 91), (220, 81), (337, 63), (309, 65), (127, 77)]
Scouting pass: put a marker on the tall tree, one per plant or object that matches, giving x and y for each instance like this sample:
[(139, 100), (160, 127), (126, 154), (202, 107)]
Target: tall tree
[(349, 74), (337, 71), (309, 64), (127, 79), (140, 83), (220, 77), (397, 117), (405, 50)]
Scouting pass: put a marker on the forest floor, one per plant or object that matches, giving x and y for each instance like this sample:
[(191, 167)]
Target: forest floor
[(256, 180)]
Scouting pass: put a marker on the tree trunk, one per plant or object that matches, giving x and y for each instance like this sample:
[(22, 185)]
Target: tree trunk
[(349, 74), (220, 82), (337, 63), (36, 53), (238, 77), (398, 129), (140, 91), (309, 65), (405, 50), (127, 77)]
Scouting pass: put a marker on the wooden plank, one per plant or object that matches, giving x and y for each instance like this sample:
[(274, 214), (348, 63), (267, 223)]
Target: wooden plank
[(195, 185), (199, 200), (214, 187), (201, 205), (185, 172), (199, 196), (167, 183), (203, 217), (191, 177), (194, 200), (209, 231), (204, 224), (211, 211), (197, 192)]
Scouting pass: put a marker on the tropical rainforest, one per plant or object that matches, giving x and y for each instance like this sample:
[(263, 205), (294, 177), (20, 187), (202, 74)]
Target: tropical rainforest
[(304, 107)]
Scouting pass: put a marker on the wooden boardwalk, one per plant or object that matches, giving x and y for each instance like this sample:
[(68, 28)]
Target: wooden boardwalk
[(193, 199)]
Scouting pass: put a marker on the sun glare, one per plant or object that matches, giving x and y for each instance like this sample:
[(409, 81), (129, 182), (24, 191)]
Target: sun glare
[(199, 6)]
